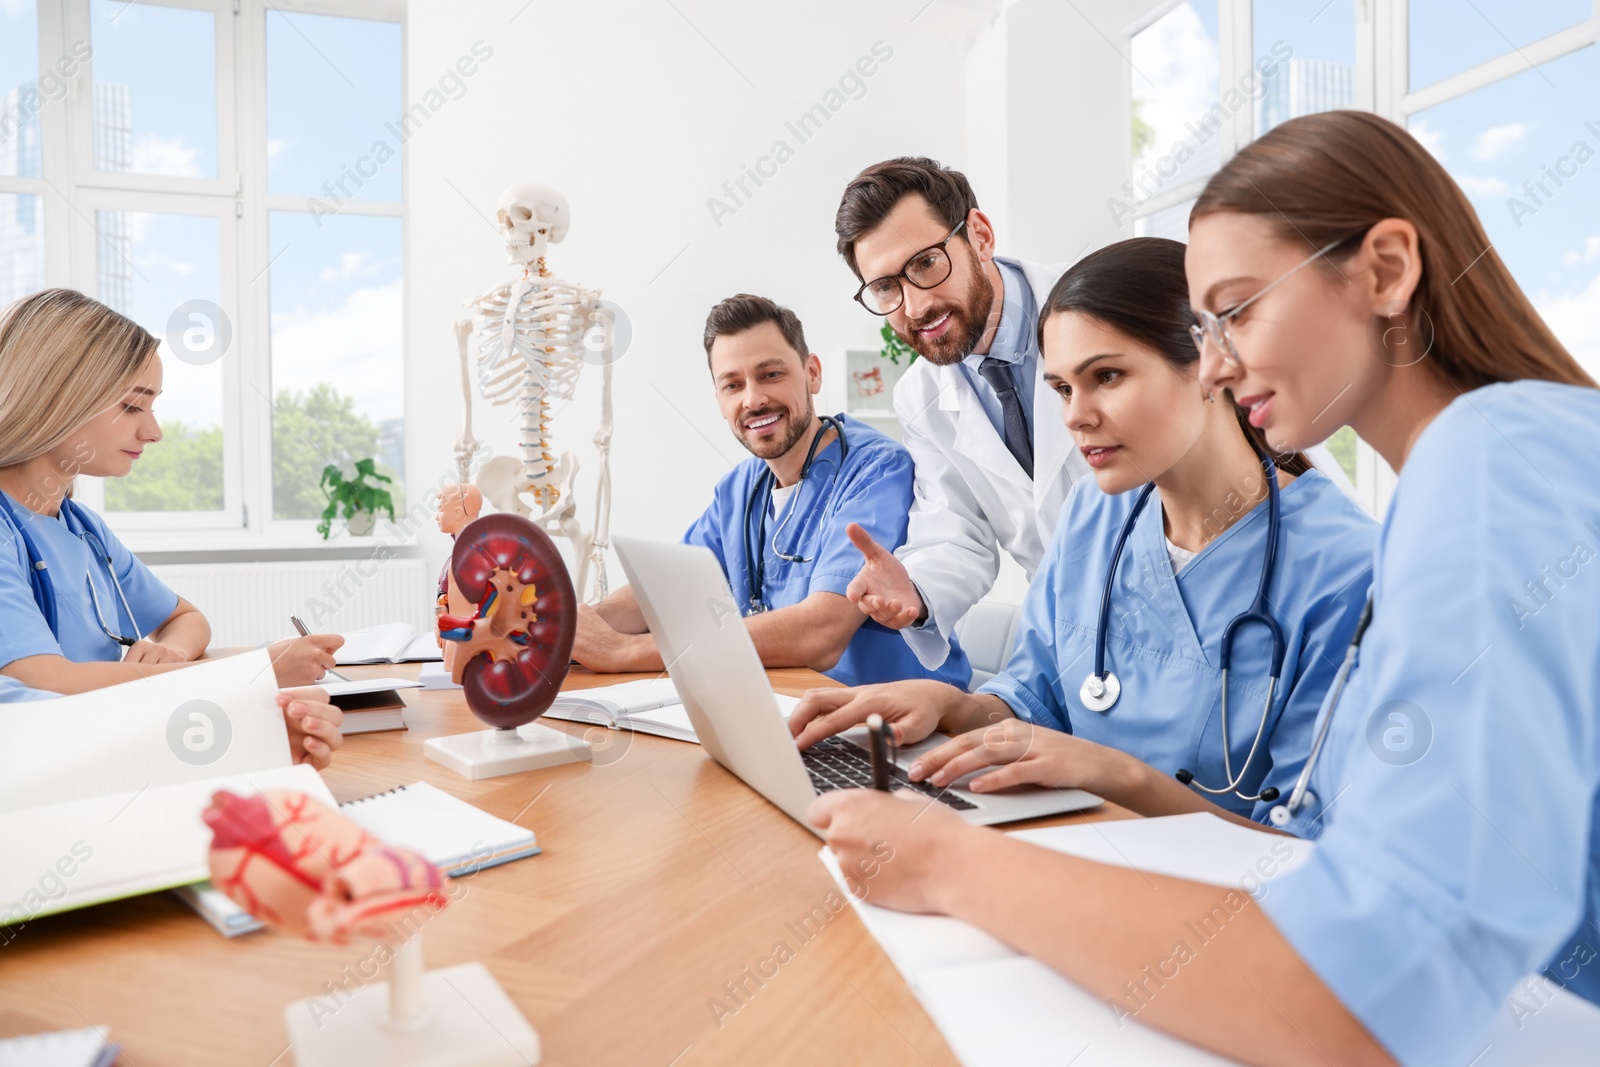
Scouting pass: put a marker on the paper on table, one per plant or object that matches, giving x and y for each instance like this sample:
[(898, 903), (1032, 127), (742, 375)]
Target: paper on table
[(995, 1006), (434, 676)]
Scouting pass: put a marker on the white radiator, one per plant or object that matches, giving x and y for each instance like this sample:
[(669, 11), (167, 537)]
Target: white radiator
[(248, 603)]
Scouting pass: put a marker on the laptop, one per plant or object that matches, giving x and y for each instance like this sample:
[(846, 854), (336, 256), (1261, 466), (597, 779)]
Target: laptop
[(685, 598)]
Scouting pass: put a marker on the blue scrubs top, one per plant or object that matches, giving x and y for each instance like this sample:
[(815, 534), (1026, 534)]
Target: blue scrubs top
[(873, 487), (1458, 813), (60, 543), (1166, 632), (14, 692)]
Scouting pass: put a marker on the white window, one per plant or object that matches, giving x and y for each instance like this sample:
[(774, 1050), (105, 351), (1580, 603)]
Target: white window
[(223, 173), (1503, 92)]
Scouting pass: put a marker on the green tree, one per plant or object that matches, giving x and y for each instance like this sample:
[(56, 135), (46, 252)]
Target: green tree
[(1144, 134), (182, 472), (1343, 446), (310, 430)]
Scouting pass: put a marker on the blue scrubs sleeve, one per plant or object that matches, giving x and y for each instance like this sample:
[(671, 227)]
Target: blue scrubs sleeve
[(14, 692), (707, 530), (151, 600), (23, 630), (878, 496), (1456, 854), (1031, 682)]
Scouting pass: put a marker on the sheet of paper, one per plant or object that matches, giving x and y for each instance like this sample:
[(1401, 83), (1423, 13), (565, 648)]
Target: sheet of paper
[(434, 676), (375, 644), (997, 1007), (357, 686), (215, 718)]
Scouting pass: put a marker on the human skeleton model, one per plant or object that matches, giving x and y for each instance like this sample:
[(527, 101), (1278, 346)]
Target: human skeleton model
[(532, 334)]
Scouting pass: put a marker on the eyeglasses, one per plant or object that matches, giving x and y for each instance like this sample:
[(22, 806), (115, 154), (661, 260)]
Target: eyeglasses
[(926, 269), (1214, 328)]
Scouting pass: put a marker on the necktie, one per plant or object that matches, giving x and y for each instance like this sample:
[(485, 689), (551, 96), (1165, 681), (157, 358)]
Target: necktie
[(998, 374)]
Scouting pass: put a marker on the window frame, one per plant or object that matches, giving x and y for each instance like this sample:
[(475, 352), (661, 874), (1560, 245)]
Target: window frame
[(73, 189), (1383, 60)]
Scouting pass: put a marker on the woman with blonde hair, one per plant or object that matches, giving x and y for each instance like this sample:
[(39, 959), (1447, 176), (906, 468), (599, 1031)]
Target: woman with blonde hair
[(78, 611), (1340, 277)]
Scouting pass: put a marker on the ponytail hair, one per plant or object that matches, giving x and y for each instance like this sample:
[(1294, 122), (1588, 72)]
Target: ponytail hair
[(1323, 177), (1138, 288)]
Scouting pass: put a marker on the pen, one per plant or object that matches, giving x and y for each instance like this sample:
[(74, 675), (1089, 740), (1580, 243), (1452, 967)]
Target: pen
[(879, 737), (298, 625)]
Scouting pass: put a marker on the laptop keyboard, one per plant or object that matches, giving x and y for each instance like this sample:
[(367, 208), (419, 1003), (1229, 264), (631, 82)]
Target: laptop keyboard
[(837, 764)]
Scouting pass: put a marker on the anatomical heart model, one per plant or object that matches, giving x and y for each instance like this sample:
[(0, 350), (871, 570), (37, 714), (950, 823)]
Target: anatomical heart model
[(511, 654), (304, 869)]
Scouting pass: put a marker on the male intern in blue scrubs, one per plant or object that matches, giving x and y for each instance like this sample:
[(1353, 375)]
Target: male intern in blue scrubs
[(777, 522)]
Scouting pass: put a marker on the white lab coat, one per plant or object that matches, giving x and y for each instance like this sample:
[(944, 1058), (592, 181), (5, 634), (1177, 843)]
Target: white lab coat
[(973, 500)]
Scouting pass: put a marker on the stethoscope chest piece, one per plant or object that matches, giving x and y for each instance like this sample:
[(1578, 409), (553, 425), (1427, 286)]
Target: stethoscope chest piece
[(1097, 693)]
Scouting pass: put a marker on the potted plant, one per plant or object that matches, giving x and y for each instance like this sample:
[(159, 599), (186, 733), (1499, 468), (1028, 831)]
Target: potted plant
[(894, 348), (357, 498)]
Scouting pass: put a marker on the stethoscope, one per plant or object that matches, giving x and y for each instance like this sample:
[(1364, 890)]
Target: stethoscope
[(44, 591), (1301, 796), (1101, 688), (756, 507)]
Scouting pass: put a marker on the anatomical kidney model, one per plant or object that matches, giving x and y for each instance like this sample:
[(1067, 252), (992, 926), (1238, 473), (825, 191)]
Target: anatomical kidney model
[(303, 869), (512, 653)]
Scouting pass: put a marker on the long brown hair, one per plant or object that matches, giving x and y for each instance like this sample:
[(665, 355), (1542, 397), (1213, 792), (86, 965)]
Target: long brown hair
[(1138, 288), (1323, 177)]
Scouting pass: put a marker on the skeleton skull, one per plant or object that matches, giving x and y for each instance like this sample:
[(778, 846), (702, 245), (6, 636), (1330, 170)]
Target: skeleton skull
[(532, 217)]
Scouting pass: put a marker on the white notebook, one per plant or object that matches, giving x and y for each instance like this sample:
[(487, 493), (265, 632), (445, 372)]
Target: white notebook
[(101, 793), (455, 836), (392, 642), (967, 979)]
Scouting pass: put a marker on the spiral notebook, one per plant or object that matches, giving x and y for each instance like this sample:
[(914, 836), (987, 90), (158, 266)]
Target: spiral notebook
[(455, 836)]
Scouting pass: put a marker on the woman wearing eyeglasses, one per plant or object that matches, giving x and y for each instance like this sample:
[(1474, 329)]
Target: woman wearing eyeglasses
[(78, 611), (1165, 658), (1454, 791)]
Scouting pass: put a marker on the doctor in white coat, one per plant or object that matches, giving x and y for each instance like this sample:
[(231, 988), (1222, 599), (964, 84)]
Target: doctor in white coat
[(993, 459)]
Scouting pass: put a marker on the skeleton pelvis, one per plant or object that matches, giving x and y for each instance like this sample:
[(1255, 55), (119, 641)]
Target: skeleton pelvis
[(507, 484)]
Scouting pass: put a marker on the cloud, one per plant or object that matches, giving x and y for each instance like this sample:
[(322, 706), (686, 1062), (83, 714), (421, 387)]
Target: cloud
[(1573, 320), (165, 155), (1430, 138), (350, 265), (276, 147), (357, 347), (1496, 141), (1590, 253), (1482, 187)]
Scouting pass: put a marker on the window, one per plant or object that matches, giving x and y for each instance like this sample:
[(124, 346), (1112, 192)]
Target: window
[(208, 172), (1180, 121), (1501, 91)]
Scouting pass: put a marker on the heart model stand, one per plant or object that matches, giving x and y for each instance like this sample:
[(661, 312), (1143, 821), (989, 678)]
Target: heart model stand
[(507, 635), (270, 853)]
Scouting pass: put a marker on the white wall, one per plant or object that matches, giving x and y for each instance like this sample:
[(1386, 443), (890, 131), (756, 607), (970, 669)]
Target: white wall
[(635, 116), (639, 118)]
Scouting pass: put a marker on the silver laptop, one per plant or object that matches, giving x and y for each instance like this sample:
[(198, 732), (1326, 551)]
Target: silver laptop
[(686, 601)]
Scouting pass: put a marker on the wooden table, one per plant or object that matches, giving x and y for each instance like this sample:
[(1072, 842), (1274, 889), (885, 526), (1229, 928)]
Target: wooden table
[(663, 879)]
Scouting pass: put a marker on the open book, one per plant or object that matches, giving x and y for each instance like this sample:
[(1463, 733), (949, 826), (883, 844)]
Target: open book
[(648, 706), (967, 979), (393, 642), (101, 793), (455, 836)]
